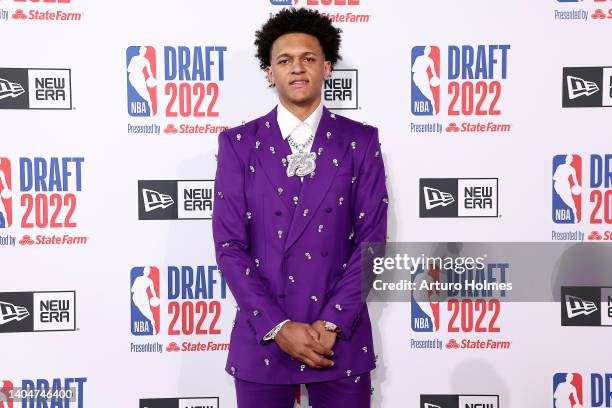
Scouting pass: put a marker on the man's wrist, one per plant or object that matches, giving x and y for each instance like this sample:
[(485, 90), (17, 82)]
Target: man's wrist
[(331, 327), (271, 335)]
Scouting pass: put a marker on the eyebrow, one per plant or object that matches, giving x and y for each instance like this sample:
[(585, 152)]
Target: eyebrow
[(287, 55)]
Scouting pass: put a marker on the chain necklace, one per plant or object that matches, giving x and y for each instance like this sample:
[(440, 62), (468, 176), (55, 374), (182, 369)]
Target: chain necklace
[(301, 163), (299, 146)]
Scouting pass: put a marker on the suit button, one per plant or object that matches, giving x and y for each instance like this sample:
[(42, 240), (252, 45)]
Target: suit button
[(324, 253), (328, 210), (278, 213)]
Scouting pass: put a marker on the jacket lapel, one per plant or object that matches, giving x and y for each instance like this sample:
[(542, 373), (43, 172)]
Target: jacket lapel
[(334, 146), (271, 149)]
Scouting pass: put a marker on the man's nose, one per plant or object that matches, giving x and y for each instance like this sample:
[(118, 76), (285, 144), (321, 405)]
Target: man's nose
[(298, 66)]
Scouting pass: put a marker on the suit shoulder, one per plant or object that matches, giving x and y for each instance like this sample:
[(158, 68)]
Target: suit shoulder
[(362, 130), (244, 129), (242, 134)]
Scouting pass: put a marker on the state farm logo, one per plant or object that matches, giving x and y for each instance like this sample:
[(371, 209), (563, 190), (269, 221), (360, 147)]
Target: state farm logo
[(488, 344), (337, 16), (47, 10), (173, 347)]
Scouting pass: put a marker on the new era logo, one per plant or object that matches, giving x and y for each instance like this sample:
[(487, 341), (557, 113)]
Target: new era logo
[(153, 200), (175, 199), (435, 198), (10, 312), (586, 306), (587, 87), (12, 89), (37, 311), (458, 197), (578, 87), (576, 306), (459, 401)]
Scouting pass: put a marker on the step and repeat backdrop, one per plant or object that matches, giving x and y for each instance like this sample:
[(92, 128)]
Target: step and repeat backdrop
[(494, 119)]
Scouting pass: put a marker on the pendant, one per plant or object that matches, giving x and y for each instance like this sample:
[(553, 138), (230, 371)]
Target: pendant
[(301, 164)]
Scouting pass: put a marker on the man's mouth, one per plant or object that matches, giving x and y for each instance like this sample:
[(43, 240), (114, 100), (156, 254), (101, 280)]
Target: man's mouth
[(298, 83)]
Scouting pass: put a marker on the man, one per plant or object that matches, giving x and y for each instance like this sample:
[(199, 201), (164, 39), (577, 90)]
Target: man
[(297, 192)]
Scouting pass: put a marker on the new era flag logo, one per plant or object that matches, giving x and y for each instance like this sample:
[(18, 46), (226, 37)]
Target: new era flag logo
[(577, 87), (154, 200), (10, 312), (10, 89), (435, 198), (576, 306)]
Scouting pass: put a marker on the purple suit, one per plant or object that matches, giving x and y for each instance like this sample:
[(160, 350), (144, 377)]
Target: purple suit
[(291, 250)]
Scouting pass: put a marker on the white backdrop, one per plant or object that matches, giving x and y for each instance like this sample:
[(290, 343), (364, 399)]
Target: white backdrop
[(96, 129)]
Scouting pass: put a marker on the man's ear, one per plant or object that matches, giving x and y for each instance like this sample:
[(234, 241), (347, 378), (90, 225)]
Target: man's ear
[(327, 70)]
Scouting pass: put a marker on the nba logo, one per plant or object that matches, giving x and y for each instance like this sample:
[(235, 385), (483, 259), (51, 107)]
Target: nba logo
[(141, 81), (6, 209), (567, 189), (425, 84), (567, 390), (6, 400), (144, 293), (425, 305)]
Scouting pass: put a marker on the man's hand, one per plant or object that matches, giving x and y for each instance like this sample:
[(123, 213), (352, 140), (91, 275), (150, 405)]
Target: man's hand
[(326, 338), (301, 342)]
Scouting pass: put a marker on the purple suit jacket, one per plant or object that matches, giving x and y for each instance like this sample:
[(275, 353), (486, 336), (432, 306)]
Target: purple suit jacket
[(291, 250)]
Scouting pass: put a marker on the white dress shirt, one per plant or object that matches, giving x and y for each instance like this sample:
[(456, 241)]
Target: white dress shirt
[(291, 125)]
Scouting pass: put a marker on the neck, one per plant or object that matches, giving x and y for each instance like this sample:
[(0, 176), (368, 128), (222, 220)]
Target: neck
[(303, 110)]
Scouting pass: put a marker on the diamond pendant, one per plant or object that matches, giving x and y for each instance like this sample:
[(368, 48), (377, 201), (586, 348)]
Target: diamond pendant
[(301, 164)]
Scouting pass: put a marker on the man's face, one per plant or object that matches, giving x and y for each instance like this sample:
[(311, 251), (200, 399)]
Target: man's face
[(298, 68)]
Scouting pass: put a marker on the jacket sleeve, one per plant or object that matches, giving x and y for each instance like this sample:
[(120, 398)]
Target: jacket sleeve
[(232, 242), (347, 298)]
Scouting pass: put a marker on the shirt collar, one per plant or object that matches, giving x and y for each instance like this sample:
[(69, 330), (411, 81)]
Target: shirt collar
[(287, 121)]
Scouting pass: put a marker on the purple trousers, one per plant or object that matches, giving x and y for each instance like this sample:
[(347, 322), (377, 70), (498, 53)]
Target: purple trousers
[(350, 392)]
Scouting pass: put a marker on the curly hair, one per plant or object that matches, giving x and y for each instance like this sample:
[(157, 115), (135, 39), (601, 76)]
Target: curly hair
[(298, 20)]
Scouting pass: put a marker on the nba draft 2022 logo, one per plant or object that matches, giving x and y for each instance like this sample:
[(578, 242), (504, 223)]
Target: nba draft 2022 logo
[(177, 301), (465, 83), (582, 195), (174, 82), (465, 299), (40, 194)]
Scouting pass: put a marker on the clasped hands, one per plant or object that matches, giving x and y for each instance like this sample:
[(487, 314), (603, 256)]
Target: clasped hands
[(308, 343)]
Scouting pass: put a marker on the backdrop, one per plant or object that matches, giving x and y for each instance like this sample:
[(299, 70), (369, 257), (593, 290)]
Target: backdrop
[(494, 126)]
